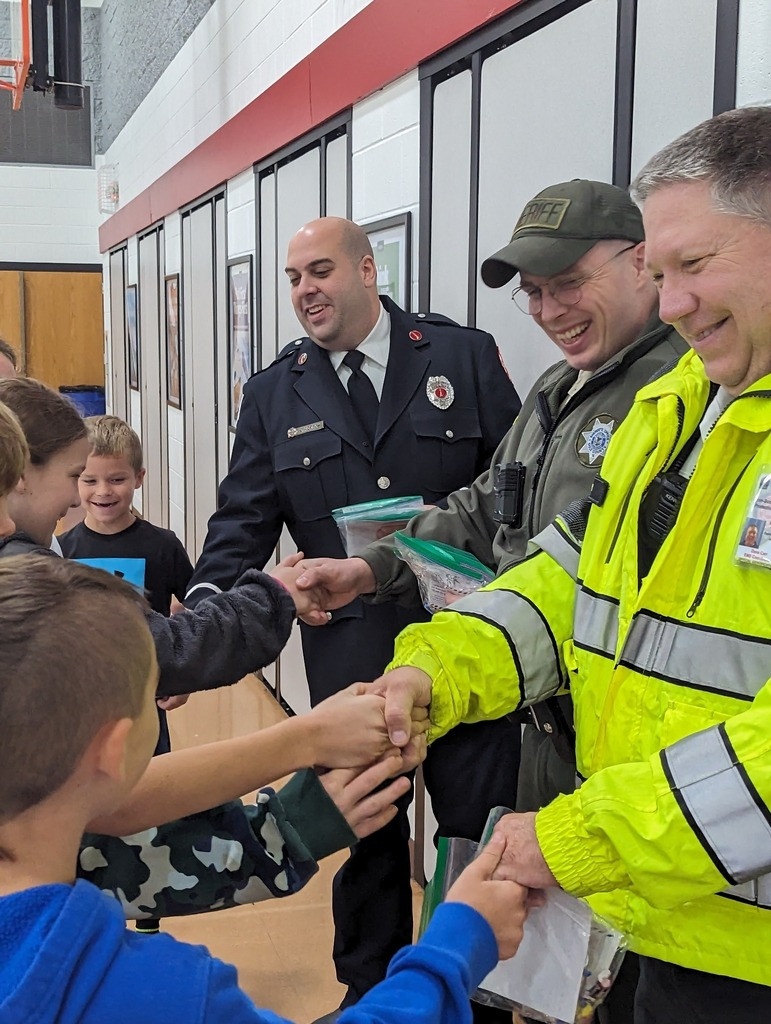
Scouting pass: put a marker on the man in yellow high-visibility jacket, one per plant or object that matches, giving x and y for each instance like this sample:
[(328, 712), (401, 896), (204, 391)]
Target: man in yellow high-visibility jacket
[(650, 605)]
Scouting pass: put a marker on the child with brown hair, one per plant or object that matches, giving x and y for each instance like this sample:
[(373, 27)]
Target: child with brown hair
[(313, 817), (66, 954), (218, 643), (113, 538)]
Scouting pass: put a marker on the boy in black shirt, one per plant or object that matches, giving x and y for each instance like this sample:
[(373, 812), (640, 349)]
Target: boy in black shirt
[(113, 538)]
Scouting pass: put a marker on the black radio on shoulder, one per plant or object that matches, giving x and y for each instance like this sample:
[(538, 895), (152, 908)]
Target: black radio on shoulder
[(509, 491), (665, 496), (658, 513)]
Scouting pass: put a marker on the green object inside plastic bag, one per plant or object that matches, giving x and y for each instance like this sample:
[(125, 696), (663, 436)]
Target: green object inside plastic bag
[(445, 556), (383, 510), (434, 891)]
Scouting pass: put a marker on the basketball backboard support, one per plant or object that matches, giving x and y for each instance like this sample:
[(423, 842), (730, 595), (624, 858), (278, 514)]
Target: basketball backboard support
[(15, 47)]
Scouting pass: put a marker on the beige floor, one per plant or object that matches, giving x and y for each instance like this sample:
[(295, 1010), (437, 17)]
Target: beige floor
[(282, 947)]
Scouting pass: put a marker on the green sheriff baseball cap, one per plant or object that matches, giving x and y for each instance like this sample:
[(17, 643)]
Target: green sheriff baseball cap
[(559, 225)]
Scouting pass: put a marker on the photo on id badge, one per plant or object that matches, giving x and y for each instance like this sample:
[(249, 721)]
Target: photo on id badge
[(754, 546)]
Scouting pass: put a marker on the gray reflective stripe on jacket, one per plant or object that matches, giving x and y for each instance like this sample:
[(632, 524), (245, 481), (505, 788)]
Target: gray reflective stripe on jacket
[(697, 656), (720, 803), (757, 891), (595, 623), (557, 541), (531, 641)]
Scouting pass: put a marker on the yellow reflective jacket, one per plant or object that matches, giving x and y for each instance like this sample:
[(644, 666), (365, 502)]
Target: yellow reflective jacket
[(669, 678)]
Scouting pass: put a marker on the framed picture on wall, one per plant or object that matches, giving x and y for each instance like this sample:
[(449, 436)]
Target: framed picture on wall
[(132, 336), (173, 346), (239, 331), (390, 240)]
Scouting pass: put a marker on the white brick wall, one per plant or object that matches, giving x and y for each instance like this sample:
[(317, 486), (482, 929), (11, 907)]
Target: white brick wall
[(48, 214), (238, 50)]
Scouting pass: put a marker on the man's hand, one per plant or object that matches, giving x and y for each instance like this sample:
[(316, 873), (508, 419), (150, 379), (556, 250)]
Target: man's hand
[(306, 601), (522, 860), (353, 791), (349, 728), (503, 904), (405, 689), (335, 581)]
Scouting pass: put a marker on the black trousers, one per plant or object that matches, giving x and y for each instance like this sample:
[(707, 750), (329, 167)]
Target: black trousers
[(467, 772), (667, 994)]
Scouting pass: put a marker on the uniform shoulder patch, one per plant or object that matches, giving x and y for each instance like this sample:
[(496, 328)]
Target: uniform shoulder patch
[(593, 438)]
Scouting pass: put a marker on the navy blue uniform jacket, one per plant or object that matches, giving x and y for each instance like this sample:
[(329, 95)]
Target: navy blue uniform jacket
[(280, 477)]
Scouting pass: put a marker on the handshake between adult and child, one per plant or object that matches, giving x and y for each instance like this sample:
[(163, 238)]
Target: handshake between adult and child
[(314, 599), (319, 585)]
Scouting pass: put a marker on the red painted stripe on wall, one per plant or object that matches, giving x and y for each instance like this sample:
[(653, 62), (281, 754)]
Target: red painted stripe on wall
[(377, 46)]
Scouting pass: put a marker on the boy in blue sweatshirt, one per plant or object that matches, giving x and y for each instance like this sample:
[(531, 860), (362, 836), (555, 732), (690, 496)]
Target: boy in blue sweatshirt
[(75, 641)]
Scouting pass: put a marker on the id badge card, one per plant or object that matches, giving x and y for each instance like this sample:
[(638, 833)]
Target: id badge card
[(754, 545)]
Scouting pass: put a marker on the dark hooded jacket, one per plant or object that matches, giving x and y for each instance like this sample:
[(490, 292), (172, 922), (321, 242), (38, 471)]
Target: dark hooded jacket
[(216, 643)]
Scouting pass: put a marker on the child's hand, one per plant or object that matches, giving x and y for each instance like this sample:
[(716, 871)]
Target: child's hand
[(349, 729), (306, 602), (502, 904), (355, 792)]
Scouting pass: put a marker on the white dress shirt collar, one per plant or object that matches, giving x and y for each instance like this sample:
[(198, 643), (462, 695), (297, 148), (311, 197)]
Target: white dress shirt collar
[(375, 348)]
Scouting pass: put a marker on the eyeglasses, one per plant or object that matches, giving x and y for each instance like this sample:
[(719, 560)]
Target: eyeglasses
[(567, 293)]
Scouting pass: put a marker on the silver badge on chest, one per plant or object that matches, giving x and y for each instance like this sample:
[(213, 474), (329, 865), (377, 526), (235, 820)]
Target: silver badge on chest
[(593, 439), (440, 392)]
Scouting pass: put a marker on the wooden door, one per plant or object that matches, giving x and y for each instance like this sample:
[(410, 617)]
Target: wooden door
[(64, 327)]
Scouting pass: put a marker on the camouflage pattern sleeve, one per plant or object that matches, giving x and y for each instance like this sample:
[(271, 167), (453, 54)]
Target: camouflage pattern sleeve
[(224, 857), (315, 815)]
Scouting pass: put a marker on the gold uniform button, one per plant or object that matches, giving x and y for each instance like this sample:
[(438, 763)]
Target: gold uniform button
[(449, 433), (383, 483), (306, 461)]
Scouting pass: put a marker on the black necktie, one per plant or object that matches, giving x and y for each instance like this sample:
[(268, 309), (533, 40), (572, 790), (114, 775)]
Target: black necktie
[(362, 394)]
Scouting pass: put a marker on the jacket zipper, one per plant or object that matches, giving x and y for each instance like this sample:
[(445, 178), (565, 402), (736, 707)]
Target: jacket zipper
[(711, 549), (713, 538)]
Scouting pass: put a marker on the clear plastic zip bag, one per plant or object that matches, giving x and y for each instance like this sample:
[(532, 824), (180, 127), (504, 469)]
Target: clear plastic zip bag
[(568, 959), (362, 524), (444, 573)]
